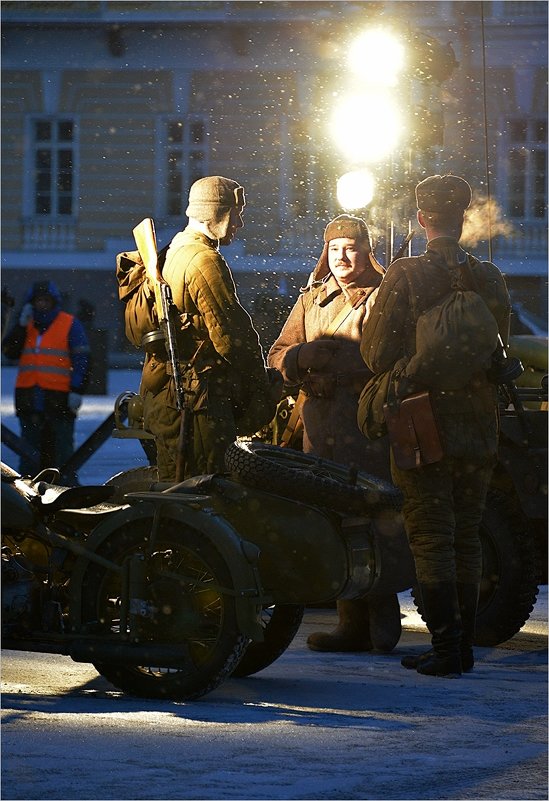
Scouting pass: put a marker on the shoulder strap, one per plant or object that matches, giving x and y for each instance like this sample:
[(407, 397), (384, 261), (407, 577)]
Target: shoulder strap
[(355, 302)]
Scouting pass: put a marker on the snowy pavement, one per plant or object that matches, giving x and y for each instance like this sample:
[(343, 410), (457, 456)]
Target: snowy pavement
[(310, 726)]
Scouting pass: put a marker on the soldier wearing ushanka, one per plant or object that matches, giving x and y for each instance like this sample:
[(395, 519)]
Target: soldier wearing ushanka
[(444, 501), (331, 373)]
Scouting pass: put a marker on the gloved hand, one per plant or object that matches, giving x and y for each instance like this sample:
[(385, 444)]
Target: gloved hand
[(74, 401), (26, 315), (317, 354)]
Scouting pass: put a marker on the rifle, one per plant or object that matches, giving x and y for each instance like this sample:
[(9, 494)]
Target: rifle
[(400, 252), (168, 319)]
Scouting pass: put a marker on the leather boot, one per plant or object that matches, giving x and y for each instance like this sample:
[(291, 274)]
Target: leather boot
[(442, 615), (351, 633), (468, 604), (385, 623)]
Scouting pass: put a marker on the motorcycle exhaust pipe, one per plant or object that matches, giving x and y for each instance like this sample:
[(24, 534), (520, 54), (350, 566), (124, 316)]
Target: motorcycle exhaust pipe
[(164, 655)]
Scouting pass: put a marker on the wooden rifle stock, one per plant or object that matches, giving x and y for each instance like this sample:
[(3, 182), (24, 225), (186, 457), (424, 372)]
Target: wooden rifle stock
[(145, 239)]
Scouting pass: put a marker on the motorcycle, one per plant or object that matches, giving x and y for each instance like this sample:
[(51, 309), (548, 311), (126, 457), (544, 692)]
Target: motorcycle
[(170, 589)]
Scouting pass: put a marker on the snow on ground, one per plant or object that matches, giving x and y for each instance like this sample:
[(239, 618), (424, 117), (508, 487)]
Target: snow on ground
[(310, 726)]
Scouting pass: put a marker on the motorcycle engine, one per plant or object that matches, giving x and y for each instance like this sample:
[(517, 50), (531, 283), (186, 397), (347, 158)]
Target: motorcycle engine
[(20, 594)]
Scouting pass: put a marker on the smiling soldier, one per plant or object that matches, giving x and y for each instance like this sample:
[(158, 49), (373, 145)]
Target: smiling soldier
[(318, 349)]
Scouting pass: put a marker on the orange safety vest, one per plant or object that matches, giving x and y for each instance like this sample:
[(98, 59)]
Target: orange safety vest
[(45, 361)]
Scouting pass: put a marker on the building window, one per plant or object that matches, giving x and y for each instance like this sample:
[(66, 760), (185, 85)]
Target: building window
[(527, 169), (53, 179), (186, 158)]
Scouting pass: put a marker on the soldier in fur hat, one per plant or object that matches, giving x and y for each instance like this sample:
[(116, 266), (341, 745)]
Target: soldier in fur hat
[(444, 501), (331, 373)]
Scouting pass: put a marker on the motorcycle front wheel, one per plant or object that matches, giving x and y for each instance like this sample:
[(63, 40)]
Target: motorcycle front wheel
[(184, 603)]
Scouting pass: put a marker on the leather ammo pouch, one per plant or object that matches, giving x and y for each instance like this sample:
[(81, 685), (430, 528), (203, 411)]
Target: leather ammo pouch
[(413, 432)]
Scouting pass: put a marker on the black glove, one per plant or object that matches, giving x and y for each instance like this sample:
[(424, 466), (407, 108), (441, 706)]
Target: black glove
[(316, 355)]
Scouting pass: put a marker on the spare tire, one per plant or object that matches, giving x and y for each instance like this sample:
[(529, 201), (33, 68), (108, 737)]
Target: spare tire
[(308, 478)]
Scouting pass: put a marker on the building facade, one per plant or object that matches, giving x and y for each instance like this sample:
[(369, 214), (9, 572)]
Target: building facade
[(112, 109)]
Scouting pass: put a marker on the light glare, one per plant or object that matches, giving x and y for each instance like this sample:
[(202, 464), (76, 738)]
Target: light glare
[(366, 126), (377, 56), (355, 189)]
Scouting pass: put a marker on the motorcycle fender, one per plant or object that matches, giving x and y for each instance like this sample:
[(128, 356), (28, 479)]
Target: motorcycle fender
[(241, 557), (17, 513)]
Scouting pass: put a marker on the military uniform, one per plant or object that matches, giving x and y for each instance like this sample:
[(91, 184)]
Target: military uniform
[(226, 382), (443, 502), (329, 413), (441, 514), (329, 410)]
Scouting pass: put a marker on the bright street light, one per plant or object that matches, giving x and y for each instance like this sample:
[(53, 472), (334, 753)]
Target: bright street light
[(377, 56), (355, 189), (366, 126)]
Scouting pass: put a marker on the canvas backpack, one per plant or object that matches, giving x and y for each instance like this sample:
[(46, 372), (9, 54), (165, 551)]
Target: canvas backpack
[(137, 293), (455, 338)]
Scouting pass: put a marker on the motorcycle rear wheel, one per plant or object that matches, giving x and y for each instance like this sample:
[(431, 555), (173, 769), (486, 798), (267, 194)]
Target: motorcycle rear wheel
[(191, 610)]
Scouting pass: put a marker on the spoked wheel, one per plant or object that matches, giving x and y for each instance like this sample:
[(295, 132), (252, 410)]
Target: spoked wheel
[(308, 478), (280, 625), (186, 601)]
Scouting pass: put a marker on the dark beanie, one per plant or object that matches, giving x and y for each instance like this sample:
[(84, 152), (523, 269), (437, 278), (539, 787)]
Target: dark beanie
[(443, 193)]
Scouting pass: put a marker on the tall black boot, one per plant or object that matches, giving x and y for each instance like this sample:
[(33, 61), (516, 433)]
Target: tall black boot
[(385, 623), (442, 615), (351, 633), (468, 605)]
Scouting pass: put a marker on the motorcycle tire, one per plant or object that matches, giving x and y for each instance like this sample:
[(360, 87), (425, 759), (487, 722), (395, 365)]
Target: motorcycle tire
[(509, 582), (280, 625), (191, 611), (308, 478), (138, 479)]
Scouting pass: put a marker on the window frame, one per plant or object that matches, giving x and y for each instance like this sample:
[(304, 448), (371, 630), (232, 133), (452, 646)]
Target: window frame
[(526, 151), (187, 147), (30, 189)]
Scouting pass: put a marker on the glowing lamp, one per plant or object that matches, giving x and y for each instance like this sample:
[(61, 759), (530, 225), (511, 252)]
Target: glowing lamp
[(355, 189)]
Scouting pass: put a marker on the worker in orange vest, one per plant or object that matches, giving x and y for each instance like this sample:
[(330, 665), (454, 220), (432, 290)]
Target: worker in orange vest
[(53, 353)]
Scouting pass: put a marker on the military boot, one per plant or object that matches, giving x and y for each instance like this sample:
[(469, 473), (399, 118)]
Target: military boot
[(442, 615), (351, 633), (468, 603), (385, 623)]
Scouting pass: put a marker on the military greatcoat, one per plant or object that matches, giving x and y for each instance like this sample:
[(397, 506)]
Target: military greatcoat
[(330, 426)]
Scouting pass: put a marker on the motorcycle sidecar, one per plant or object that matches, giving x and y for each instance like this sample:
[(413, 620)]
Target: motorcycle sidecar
[(305, 554)]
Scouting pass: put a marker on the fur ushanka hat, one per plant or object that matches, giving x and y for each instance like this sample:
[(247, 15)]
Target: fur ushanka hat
[(443, 194), (345, 227)]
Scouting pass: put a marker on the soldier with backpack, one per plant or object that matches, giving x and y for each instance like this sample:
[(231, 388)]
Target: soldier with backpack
[(228, 389), (444, 500)]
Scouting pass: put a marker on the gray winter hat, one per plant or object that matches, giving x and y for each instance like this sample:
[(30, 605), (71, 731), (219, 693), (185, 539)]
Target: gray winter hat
[(211, 200)]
